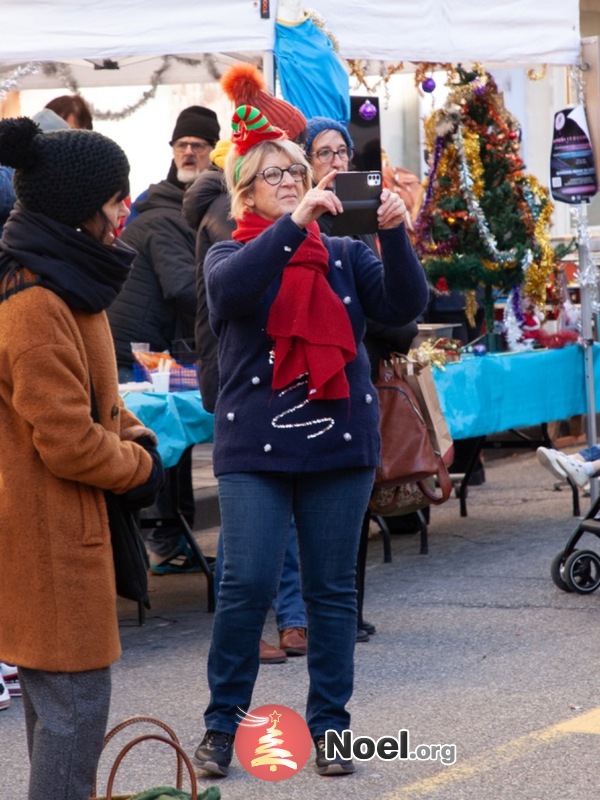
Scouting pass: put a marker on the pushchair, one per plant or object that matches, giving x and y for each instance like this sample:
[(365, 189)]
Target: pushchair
[(575, 570)]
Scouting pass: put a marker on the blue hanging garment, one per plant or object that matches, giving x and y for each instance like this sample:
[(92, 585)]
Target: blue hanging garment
[(311, 75)]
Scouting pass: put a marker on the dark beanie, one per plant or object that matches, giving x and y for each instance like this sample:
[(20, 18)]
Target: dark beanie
[(199, 122), (317, 125), (66, 175)]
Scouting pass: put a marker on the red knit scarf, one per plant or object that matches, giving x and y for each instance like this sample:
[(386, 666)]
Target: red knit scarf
[(308, 321)]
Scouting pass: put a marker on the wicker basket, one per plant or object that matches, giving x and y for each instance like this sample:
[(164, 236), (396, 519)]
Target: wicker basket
[(170, 739)]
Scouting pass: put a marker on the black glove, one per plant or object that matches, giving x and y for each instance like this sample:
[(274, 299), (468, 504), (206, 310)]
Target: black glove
[(144, 495)]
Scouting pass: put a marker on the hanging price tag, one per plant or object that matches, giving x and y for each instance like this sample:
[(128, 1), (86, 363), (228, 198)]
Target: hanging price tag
[(572, 171)]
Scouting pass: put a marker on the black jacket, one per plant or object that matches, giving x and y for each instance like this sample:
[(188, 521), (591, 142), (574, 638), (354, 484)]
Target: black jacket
[(158, 301), (206, 208)]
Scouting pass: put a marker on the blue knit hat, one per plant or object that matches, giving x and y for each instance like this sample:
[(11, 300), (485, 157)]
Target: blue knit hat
[(317, 125)]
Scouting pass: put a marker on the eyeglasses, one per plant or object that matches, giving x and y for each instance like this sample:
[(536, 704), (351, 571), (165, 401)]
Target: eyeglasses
[(326, 154), (274, 175), (197, 147)]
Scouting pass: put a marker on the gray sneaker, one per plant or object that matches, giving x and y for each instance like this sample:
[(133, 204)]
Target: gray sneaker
[(214, 753), (334, 766)]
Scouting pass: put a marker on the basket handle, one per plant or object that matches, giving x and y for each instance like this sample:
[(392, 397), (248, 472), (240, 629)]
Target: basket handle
[(153, 721), (181, 756)]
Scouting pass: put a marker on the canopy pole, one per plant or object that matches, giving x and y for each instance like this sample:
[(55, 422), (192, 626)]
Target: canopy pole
[(587, 280), (269, 70)]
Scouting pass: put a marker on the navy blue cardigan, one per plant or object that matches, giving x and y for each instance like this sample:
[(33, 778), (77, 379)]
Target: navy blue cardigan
[(258, 429)]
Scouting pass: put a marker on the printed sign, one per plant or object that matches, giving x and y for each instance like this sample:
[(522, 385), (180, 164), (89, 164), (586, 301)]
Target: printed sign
[(572, 172)]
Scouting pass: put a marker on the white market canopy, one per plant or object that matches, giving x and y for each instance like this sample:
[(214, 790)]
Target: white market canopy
[(133, 34)]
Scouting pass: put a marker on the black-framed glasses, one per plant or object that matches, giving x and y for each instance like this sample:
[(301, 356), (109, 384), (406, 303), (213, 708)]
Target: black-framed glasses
[(326, 154), (197, 147), (274, 175)]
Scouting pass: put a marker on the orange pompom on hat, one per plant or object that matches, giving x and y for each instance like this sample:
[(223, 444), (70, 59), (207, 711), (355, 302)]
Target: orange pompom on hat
[(245, 85)]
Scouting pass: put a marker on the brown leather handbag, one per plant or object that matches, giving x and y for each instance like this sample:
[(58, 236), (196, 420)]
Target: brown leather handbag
[(408, 447)]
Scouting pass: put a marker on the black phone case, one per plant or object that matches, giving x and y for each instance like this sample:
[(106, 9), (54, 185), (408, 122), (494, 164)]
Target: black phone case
[(359, 193)]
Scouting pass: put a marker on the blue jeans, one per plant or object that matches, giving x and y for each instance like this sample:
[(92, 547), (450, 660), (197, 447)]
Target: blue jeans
[(590, 453), (256, 509), (289, 603)]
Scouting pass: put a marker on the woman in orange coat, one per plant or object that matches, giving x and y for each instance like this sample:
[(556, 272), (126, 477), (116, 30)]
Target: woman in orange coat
[(60, 268)]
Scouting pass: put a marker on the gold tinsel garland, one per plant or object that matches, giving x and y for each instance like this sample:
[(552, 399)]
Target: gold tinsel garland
[(471, 147), (357, 70), (539, 75), (540, 271), (471, 306)]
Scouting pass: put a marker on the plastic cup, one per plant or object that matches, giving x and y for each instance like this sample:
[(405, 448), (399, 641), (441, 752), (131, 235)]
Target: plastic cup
[(143, 346), (160, 382)]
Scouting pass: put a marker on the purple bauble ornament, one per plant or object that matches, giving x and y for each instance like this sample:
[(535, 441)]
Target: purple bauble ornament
[(368, 111), (479, 349), (428, 85)]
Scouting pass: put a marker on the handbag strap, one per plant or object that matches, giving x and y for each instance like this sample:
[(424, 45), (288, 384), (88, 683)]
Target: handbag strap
[(445, 483), (142, 718), (181, 755)]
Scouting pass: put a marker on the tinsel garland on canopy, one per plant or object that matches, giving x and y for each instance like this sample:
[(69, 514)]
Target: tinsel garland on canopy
[(484, 224)]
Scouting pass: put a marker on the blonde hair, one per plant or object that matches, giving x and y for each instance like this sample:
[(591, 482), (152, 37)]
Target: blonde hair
[(240, 176)]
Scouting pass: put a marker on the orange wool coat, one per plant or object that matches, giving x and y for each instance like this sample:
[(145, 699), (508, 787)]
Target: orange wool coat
[(57, 586)]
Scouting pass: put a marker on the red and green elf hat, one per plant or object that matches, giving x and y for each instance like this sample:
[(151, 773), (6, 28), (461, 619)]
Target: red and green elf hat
[(251, 127)]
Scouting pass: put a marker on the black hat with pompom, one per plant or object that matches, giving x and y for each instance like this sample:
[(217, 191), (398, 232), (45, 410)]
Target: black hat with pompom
[(66, 175)]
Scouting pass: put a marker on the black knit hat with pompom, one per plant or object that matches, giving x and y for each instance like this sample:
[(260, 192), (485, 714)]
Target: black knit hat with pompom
[(66, 175)]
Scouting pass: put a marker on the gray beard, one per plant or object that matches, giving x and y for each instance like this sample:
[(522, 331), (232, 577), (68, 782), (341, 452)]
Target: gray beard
[(186, 175)]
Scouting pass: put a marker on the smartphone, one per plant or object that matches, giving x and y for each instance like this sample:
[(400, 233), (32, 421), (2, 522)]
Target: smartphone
[(359, 193)]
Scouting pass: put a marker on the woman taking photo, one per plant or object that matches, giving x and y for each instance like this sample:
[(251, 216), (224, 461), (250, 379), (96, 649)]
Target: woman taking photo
[(296, 421), (60, 268)]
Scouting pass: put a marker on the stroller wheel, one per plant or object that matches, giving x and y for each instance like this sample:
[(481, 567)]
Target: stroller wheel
[(582, 571), (557, 572)]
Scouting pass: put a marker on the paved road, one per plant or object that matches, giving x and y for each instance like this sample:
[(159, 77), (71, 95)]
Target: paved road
[(475, 647)]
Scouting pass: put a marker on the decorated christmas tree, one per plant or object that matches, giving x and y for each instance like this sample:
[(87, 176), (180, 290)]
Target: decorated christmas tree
[(484, 223)]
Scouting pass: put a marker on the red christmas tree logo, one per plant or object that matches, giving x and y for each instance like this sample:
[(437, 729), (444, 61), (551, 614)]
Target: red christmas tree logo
[(272, 743)]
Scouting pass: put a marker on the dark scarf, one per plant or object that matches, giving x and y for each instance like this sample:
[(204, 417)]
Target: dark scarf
[(308, 321), (86, 274)]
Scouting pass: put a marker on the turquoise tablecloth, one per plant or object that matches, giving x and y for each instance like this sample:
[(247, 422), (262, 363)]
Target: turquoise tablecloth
[(479, 396), (177, 418), (500, 391)]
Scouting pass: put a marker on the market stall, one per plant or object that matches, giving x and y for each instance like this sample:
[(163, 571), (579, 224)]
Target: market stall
[(440, 31)]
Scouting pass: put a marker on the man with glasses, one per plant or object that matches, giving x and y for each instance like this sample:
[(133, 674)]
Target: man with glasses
[(190, 151), (158, 301)]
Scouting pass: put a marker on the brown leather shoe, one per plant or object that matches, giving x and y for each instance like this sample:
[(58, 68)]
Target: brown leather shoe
[(293, 641), (269, 654)]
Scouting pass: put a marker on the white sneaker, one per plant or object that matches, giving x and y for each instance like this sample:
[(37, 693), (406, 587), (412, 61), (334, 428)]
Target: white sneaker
[(9, 671), (11, 678), (574, 469), (4, 695), (548, 458)]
